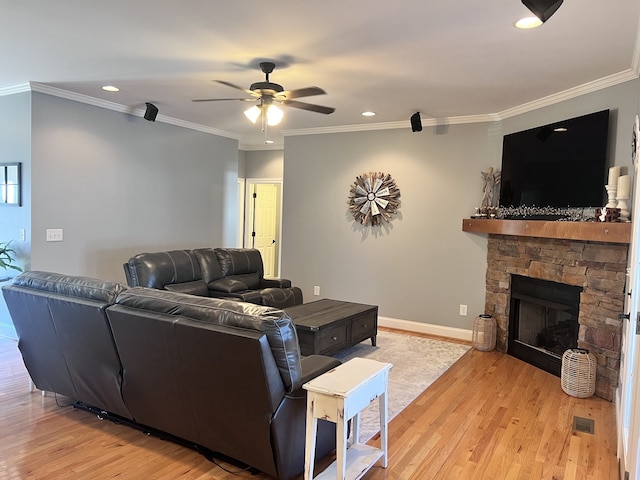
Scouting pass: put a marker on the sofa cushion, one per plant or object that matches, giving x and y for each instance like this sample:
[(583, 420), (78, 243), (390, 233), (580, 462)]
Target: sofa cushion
[(251, 280), (209, 264), (155, 270), (274, 323), (83, 287), (228, 285), (281, 297), (197, 287), (239, 261)]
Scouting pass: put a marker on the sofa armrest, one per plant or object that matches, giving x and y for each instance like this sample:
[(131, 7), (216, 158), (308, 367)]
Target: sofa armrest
[(312, 367), (275, 283)]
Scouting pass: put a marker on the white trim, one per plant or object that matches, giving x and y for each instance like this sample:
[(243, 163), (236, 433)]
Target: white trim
[(570, 93), (13, 89), (428, 328), (248, 213), (367, 127), (241, 184), (116, 107), (590, 87)]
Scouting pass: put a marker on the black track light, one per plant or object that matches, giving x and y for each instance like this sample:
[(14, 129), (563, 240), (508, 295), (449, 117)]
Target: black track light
[(543, 9), (151, 113), (416, 122)]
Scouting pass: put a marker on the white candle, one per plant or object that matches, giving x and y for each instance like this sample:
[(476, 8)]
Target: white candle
[(614, 173), (624, 186)]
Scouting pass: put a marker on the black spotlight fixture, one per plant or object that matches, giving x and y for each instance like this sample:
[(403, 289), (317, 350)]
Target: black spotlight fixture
[(543, 9), (151, 113), (416, 122)]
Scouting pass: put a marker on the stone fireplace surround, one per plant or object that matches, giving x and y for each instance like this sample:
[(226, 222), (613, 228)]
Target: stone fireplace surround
[(598, 267)]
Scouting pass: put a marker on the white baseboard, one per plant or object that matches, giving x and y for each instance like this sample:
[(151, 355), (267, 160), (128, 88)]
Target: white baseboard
[(428, 328)]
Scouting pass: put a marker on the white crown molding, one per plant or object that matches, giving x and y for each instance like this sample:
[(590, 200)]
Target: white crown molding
[(574, 92), (13, 89), (428, 122), (590, 87), (570, 93), (116, 107)]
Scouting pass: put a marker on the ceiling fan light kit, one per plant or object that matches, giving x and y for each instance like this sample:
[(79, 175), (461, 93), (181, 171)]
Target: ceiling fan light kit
[(543, 9), (253, 113), (269, 95)]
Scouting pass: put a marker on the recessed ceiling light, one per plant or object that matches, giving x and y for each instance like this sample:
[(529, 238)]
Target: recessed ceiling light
[(368, 114), (528, 22), (560, 129), (110, 88), (269, 142)]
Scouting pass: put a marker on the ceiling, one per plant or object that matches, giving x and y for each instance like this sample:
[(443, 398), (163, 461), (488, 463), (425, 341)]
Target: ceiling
[(448, 59)]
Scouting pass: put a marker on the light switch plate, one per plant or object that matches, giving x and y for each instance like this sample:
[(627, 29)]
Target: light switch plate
[(54, 234)]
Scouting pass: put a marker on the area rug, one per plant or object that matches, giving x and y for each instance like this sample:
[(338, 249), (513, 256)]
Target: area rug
[(417, 363)]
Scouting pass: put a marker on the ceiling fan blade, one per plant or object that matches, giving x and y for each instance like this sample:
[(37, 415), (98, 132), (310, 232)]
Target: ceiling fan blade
[(301, 92), (309, 106), (232, 85), (223, 99)]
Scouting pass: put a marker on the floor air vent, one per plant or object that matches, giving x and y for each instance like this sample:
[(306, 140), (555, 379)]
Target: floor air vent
[(585, 425)]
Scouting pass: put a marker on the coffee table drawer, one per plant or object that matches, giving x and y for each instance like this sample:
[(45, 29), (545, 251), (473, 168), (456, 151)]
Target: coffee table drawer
[(333, 338), (364, 326)]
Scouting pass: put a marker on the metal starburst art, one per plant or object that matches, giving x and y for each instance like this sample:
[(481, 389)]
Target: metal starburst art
[(374, 198)]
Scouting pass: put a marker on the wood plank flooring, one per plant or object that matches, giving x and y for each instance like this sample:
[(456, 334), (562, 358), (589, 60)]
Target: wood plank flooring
[(490, 416)]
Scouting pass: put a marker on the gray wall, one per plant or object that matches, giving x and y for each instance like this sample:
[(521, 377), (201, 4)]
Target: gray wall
[(264, 164), (119, 185), (421, 266), (15, 146)]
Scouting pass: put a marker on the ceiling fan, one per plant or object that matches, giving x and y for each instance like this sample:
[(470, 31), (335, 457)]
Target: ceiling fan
[(268, 95)]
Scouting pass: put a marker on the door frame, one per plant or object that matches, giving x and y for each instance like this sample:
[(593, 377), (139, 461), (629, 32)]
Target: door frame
[(627, 410), (248, 213)]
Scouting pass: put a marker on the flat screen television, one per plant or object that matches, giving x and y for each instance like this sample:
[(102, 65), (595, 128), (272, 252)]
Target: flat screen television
[(563, 164)]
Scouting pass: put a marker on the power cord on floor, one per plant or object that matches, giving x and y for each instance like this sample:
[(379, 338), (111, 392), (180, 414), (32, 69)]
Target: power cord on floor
[(211, 457)]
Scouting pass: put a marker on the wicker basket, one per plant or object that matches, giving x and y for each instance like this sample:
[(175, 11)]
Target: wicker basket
[(484, 333), (578, 373)]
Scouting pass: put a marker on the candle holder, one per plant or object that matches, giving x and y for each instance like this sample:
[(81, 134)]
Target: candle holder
[(611, 193), (624, 209)]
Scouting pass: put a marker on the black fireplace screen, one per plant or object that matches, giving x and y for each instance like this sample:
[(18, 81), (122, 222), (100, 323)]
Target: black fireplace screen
[(543, 321)]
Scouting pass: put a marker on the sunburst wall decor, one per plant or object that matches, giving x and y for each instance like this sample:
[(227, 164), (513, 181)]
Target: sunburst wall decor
[(374, 198)]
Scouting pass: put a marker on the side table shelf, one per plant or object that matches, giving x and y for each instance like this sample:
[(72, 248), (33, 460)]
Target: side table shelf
[(338, 396)]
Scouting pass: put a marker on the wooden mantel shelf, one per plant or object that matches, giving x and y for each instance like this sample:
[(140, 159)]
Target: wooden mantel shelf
[(584, 231)]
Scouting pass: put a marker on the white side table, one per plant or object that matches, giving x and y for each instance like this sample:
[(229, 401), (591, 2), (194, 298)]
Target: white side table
[(338, 396)]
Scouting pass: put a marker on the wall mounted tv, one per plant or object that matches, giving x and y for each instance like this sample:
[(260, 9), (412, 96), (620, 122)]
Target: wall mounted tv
[(563, 164)]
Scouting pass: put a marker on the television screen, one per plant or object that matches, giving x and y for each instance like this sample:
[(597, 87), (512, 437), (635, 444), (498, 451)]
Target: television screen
[(563, 164)]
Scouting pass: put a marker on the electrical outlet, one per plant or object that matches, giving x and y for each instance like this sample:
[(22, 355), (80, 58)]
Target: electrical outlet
[(316, 290), (463, 310), (54, 234)]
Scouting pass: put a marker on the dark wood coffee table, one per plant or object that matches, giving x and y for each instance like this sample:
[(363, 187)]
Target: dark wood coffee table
[(328, 326)]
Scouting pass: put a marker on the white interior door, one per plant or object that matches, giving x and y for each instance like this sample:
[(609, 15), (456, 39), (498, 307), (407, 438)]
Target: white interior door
[(628, 411), (263, 223)]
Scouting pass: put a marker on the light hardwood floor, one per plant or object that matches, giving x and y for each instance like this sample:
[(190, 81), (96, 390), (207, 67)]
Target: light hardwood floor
[(490, 416)]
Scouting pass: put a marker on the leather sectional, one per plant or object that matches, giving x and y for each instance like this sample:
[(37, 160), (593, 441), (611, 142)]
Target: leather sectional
[(218, 375), (237, 273)]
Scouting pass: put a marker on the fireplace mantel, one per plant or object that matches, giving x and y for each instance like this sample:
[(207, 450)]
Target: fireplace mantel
[(607, 232)]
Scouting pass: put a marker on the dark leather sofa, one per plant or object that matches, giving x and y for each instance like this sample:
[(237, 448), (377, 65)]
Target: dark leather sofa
[(221, 376), (237, 273)]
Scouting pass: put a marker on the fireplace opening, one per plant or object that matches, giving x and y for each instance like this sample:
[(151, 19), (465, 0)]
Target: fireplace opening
[(543, 321)]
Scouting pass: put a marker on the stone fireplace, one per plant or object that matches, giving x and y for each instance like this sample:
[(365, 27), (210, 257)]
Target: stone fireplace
[(598, 268)]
